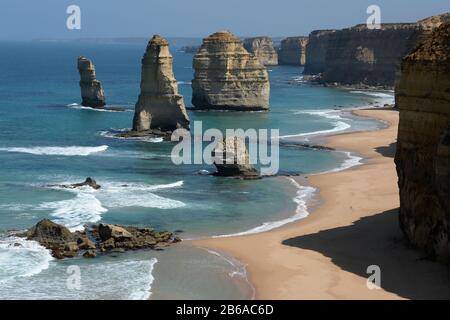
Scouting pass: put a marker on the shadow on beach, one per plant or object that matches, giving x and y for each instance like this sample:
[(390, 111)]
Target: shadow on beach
[(378, 240), (387, 151)]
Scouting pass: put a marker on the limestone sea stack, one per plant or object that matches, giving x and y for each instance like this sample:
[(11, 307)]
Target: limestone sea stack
[(92, 93), (262, 48), (293, 51), (423, 147), (231, 159), (228, 77), (159, 109)]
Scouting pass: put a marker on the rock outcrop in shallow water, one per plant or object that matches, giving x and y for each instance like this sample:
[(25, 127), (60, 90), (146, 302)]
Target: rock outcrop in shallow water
[(92, 93), (231, 159), (96, 239), (316, 51), (423, 147), (89, 182), (262, 48), (160, 109), (227, 77), (190, 49), (293, 51)]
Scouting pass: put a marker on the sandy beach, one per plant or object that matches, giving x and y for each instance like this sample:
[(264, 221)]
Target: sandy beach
[(326, 255)]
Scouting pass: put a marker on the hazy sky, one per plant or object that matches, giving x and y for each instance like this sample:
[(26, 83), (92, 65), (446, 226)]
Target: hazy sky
[(34, 19)]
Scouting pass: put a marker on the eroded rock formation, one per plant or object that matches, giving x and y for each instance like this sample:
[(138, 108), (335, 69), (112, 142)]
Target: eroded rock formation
[(92, 93), (159, 108), (316, 51), (231, 159), (89, 182), (262, 48), (359, 56), (423, 147), (227, 77), (96, 239), (293, 51)]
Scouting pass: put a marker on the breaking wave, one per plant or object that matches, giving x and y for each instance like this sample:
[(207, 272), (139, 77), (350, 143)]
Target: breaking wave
[(303, 194), (21, 258), (88, 205), (338, 123), (57, 151)]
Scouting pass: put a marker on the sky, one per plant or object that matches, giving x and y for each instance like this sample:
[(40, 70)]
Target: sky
[(46, 19)]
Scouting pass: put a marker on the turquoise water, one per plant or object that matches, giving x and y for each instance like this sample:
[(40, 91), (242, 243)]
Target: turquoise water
[(46, 138)]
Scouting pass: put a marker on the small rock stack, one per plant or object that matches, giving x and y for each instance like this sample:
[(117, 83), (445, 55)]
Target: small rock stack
[(92, 93), (231, 159)]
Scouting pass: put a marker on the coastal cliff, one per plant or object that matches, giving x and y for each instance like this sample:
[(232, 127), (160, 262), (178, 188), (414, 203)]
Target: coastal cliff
[(293, 51), (92, 93), (316, 51), (159, 107), (228, 77), (423, 148), (361, 56), (262, 48)]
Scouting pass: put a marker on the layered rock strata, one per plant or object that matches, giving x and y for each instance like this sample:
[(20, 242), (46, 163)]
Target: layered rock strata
[(293, 51), (359, 56), (362, 56), (92, 93), (159, 108), (316, 51), (262, 48), (423, 147), (96, 239), (231, 159), (228, 77)]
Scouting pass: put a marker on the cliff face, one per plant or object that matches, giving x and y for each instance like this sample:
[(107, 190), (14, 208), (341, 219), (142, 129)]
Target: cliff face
[(227, 77), (359, 55), (159, 106), (316, 50), (92, 93), (423, 148), (293, 51), (262, 48)]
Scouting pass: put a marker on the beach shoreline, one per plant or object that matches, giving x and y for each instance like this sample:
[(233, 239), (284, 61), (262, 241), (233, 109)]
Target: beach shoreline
[(327, 254)]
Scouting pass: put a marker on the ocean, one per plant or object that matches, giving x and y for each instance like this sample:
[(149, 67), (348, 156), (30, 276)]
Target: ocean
[(47, 138)]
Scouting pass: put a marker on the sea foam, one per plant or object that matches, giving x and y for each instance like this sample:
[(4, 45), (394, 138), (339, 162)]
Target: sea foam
[(21, 258), (101, 278), (57, 151), (303, 194), (337, 123), (88, 205)]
